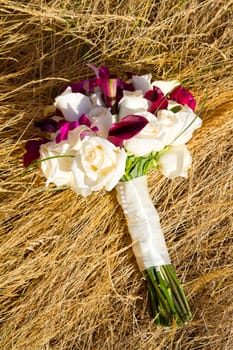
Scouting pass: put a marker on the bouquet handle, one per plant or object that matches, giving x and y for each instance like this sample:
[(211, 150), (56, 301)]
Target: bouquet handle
[(143, 222), (167, 296)]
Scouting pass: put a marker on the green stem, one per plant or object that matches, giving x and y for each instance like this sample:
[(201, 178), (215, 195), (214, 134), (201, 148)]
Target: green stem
[(167, 296)]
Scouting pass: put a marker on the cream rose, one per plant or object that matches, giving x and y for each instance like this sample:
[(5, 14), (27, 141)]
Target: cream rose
[(57, 170), (177, 128), (96, 99), (98, 164), (143, 83), (132, 103), (166, 86), (175, 162), (72, 104), (102, 119), (147, 139)]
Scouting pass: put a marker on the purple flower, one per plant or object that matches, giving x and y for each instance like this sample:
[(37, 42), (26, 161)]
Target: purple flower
[(85, 87), (32, 151), (184, 97), (128, 127), (65, 127), (157, 99)]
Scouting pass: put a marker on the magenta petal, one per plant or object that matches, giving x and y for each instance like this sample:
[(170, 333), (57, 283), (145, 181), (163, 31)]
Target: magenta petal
[(63, 133), (104, 72), (84, 120), (85, 87), (128, 127), (109, 90), (61, 123), (157, 99), (183, 96), (116, 141), (32, 151)]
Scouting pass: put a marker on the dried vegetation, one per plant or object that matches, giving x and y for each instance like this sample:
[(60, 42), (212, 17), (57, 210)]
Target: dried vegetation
[(68, 276)]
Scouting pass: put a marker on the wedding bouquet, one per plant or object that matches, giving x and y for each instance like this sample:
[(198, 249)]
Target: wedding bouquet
[(105, 132)]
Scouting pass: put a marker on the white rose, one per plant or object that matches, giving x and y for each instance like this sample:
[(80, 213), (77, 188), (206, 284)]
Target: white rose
[(175, 162), (74, 138), (147, 139), (143, 83), (98, 164), (166, 86), (177, 128), (56, 170), (72, 104), (102, 118), (96, 99), (132, 103)]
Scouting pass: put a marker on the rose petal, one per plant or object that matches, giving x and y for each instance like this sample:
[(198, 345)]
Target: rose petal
[(142, 82), (131, 103), (175, 162), (166, 86), (72, 105)]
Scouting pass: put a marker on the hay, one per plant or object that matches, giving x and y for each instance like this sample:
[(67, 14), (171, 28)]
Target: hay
[(68, 276)]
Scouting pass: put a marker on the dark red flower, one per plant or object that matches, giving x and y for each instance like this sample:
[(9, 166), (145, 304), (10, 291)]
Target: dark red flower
[(157, 99), (184, 97), (32, 151), (128, 127)]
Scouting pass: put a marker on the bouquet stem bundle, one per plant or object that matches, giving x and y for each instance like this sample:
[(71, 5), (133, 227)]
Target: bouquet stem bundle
[(167, 297)]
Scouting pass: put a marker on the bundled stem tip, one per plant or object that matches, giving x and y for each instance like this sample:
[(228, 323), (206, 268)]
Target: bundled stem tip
[(167, 297)]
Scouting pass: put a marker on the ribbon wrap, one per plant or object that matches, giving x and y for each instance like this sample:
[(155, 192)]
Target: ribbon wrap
[(149, 245)]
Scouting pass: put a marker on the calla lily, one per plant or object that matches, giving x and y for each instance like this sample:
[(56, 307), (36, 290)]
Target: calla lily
[(66, 127), (109, 90), (32, 151), (184, 97), (111, 86), (128, 127), (85, 87), (157, 99), (103, 72), (108, 84)]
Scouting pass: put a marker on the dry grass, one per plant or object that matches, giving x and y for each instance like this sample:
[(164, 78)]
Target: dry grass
[(68, 276)]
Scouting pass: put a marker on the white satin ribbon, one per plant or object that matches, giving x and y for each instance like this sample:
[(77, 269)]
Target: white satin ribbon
[(149, 245)]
